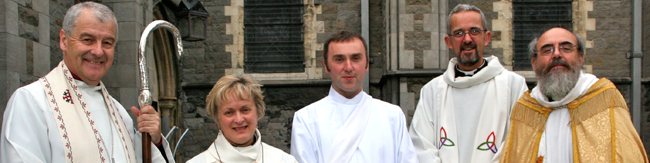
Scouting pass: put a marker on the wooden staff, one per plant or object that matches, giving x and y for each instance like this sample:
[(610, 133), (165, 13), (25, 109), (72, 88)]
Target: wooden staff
[(146, 148)]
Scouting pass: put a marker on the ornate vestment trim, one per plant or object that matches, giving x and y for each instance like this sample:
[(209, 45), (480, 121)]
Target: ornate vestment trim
[(79, 124)]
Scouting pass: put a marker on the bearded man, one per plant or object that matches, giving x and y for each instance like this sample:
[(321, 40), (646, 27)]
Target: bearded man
[(462, 114), (571, 116)]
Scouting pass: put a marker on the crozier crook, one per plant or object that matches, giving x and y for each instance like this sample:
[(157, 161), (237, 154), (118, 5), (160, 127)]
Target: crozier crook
[(145, 95)]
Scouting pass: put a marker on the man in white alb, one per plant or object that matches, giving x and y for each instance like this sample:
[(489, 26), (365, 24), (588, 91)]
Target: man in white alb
[(462, 114), (67, 115), (349, 125)]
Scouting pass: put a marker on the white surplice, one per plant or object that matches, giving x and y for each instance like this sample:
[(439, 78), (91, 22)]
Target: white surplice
[(319, 129), (465, 119), (556, 144), (222, 151), (30, 132)]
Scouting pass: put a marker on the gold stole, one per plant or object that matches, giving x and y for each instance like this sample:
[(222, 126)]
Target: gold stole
[(80, 137), (600, 123)]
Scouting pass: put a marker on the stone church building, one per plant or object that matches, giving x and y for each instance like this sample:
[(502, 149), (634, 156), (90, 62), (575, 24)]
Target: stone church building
[(280, 43)]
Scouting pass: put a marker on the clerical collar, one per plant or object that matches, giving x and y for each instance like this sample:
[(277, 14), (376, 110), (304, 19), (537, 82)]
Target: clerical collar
[(460, 73), (75, 76), (78, 78), (254, 141), (342, 100)]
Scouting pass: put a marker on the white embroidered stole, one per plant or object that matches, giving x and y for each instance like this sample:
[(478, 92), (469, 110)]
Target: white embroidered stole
[(492, 121), (351, 133), (81, 140), (492, 125)]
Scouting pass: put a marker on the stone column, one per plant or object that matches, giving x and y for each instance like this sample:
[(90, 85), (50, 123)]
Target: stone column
[(24, 44), (123, 80), (416, 31)]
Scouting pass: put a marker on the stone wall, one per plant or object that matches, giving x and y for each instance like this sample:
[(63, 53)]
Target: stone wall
[(377, 42), (25, 46), (275, 127), (612, 38), (207, 59), (645, 117)]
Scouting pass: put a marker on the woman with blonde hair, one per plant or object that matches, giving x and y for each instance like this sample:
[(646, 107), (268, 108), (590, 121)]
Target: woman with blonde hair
[(236, 104)]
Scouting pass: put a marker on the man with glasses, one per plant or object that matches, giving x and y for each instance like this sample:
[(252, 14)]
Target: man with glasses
[(462, 115), (570, 116)]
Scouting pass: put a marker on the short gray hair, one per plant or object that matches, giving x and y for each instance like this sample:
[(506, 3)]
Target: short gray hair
[(465, 7), (101, 12), (532, 46)]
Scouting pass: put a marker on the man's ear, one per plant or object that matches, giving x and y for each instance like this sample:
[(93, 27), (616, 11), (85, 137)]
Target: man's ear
[(327, 69), (62, 43), (448, 41), (533, 61), (582, 57), (488, 36)]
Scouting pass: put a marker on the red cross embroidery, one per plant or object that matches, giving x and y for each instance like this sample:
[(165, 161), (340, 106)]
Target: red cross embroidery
[(67, 96), (69, 155), (65, 136)]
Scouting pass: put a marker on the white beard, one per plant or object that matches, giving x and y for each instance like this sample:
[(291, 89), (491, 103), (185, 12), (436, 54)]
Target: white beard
[(558, 83)]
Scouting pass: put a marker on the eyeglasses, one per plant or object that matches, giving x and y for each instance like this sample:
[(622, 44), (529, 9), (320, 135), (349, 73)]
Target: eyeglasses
[(564, 49), (474, 32)]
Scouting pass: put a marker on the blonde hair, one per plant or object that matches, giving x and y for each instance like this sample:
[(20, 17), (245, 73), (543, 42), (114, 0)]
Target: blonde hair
[(245, 88)]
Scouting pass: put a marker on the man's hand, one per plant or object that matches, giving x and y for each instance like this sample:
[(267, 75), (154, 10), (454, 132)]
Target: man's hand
[(148, 121)]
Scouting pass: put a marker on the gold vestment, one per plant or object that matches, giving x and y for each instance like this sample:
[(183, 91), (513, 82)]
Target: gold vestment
[(600, 124)]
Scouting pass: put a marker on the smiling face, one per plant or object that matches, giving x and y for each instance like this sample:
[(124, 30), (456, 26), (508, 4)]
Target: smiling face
[(557, 71), (557, 62), (467, 48), (347, 66), (237, 118), (89, 48)]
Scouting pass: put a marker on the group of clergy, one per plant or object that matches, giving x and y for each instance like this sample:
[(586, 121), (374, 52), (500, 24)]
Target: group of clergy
[(476, 111)]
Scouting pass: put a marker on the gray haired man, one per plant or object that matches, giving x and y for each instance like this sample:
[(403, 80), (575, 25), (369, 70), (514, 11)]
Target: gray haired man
[(67, 115), (462, 115)]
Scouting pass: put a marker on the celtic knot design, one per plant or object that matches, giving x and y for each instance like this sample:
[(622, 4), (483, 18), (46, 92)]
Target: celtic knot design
[(444, 141), (489, 144)]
